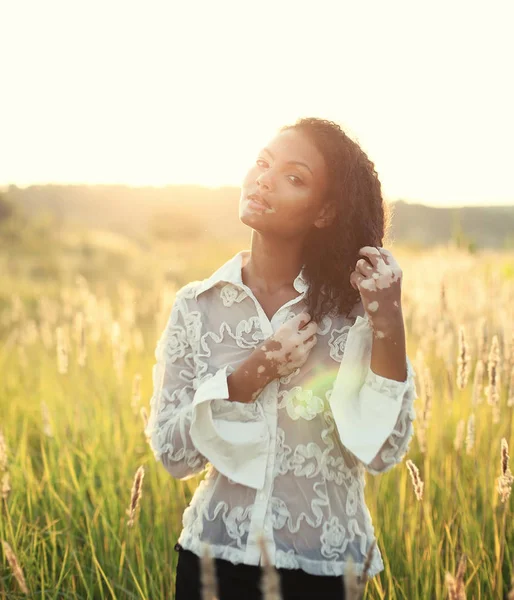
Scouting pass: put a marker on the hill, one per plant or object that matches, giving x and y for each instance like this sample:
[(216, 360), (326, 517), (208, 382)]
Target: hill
[(181, 211)]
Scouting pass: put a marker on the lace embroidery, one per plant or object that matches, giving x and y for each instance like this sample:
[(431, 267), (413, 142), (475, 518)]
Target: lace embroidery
[(337, 342), (303, 404), (230, 294), (312, 499)]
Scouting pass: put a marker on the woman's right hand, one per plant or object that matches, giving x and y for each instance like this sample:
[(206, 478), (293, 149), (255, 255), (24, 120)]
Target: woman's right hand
[(289, 347)]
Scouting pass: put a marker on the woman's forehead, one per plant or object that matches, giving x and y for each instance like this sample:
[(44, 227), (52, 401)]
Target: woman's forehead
[(295, 145)]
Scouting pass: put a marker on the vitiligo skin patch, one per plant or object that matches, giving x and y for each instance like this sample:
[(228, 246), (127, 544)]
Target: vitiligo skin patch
[(379, 278), (279, 360)]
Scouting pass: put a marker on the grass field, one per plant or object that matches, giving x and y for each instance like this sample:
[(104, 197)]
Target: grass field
[(75, 364)]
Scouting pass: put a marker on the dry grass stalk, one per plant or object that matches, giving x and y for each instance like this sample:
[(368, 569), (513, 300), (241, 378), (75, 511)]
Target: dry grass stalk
[(135, 495), (353, 588), (15, 567), (5, 487), (459, 435), (3, 452), (478, 381), (505, 480), (208, 575), (493, 370), (367, 562), (455, 585), (470, 436), (270, 579), (354, 585), (416, 479), (462, 361)]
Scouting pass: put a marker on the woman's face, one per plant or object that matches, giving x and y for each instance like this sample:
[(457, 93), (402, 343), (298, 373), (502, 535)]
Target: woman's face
[(290, 175)]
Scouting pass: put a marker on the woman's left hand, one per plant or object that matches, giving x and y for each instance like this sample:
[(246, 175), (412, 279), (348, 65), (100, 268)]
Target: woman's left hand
[(379, 285)]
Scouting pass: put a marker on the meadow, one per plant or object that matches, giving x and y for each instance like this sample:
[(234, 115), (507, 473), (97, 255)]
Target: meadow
[(87, 512)]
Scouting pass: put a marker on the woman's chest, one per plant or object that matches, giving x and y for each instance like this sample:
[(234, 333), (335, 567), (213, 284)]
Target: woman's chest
[(271, 303)]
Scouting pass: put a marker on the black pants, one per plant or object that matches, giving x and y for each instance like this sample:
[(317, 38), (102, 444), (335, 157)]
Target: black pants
[(242, 582)]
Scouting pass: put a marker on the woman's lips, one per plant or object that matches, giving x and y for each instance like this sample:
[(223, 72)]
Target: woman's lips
[(256, 205)]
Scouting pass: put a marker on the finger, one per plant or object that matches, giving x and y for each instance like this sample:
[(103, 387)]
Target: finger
[(383, 254), (303, 318), (355, 279), (303, 315), (310, 329), (389, 258), (312, 341), (373, 253), (363, 267)]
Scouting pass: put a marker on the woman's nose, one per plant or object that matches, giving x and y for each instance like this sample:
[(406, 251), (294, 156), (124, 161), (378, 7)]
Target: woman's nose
[(264, 180)]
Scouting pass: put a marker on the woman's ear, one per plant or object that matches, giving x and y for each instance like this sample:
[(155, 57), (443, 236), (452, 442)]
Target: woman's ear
[(326, 216)]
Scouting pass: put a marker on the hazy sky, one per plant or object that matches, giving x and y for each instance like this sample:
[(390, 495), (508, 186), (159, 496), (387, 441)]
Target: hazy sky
[(161, 92)]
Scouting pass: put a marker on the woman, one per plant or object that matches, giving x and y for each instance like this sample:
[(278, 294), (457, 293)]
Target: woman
[(285, 374)]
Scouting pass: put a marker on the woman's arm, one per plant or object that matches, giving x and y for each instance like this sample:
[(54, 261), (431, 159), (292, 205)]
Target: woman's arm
[(250, 378), (171, 405), (194, 422)]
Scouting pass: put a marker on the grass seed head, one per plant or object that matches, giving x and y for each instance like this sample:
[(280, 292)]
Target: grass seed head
[(3, 452), (5, 485), (135, 495), (505, 480), (416, 479), (462, 360), (15, 567)]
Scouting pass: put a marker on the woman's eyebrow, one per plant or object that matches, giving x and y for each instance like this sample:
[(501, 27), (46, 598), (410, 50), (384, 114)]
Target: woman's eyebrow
[(290, 162)]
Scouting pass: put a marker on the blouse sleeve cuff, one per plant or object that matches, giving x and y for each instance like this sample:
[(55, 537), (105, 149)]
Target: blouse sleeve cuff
[(388, 387), (233, 436), (368, 423)]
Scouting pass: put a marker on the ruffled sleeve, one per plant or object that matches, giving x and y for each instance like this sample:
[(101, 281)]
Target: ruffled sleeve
[(373, 414), (194, 422)]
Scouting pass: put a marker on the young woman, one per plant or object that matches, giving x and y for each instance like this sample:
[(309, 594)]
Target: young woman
[(285, 375)]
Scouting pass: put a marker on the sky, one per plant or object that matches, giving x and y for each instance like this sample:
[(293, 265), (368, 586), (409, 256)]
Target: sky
[(176, 92)]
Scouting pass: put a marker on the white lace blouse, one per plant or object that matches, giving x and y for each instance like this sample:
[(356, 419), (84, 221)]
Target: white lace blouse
[(290, 465)]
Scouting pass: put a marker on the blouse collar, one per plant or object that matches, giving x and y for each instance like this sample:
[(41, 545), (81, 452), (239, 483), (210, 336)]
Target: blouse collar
[(231, 272)]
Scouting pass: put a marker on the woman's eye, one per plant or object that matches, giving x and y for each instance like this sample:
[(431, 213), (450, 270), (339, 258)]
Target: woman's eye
[(297, 181)]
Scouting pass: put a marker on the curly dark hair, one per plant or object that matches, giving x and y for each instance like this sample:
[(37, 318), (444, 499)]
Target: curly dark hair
[(361, 219)]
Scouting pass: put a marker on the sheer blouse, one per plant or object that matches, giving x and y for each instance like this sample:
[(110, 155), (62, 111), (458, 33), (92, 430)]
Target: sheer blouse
[(291, 465)]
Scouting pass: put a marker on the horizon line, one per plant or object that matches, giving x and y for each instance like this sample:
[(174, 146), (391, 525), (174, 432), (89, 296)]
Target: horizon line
[(4, 187)]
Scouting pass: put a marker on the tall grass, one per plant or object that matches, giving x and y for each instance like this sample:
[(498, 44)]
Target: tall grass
[(86, 512)]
